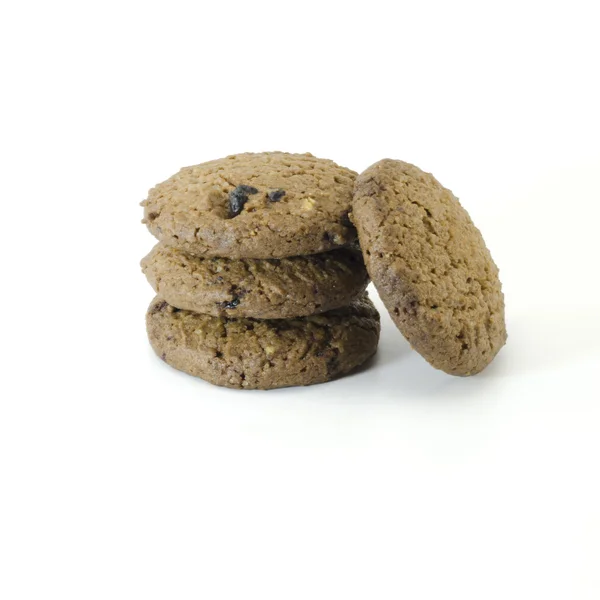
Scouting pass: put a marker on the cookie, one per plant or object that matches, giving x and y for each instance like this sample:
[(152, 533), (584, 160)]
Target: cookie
[(264, 354), (266, 205), (274, 288), (430, 266)]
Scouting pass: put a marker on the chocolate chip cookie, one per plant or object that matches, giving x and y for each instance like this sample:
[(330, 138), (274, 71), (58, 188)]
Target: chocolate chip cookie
[(259, 288), (265, 205), (264, 354), (430, 266)]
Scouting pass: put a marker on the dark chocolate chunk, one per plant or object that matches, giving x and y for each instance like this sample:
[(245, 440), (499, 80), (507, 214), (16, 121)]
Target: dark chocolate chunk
[(247, 189), (231, 304), (239, 197), (276, 195), (158, 307), (236, 296)]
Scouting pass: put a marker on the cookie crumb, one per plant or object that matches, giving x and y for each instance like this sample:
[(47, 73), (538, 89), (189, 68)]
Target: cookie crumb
[(309, 203)]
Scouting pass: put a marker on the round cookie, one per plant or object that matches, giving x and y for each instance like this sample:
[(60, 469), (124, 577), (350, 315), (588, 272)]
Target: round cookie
[(255, 354), (430, 266), (258, 288), (265, 205)]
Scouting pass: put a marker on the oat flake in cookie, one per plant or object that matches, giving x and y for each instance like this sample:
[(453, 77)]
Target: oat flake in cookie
[(430, 266), (273, 288), (264, 354), (266, 205)]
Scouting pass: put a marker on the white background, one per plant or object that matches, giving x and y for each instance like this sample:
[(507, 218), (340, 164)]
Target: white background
[(122, 478)]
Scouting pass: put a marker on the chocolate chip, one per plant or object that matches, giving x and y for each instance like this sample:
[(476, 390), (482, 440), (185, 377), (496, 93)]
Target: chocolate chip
[(247, 189), (233, 303), (236, 296), (239, 197), (158, 307), (276, 195)]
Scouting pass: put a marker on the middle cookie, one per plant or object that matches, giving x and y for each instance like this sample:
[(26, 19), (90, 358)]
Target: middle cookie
[(259, 288)]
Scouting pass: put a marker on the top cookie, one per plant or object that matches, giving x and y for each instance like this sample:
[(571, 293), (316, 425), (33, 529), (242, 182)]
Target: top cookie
[(267, 205), (430, 266)]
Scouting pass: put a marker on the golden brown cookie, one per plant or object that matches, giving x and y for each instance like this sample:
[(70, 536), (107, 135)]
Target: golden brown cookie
[(266, 205), (259, 288), (430, 266), (264, 354)]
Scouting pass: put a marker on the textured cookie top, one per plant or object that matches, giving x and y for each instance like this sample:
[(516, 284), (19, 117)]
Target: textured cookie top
[(259, 288), (266, 205), (431, 266)]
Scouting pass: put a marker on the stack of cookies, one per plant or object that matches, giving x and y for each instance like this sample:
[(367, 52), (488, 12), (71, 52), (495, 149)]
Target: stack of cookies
[(261, 282), (259, 278)]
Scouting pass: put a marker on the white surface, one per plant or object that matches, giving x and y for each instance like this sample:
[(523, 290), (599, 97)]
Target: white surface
[(122, 478)]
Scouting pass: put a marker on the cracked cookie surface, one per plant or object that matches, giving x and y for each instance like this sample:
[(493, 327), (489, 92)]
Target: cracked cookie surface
[(430, 266), (264, 354), (258, 288), (262, 205)]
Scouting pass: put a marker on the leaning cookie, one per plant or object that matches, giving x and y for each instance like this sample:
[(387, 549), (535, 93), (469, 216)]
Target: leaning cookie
[(264, 354), (430, 266), (258, 288), (266, 205)]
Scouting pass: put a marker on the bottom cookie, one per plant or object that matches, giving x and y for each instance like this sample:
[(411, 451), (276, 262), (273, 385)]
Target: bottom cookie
[(264, 354)]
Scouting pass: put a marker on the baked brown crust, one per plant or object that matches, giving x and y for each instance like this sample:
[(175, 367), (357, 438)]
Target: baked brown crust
[(264, 205), (430, 266), (264, 354)]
